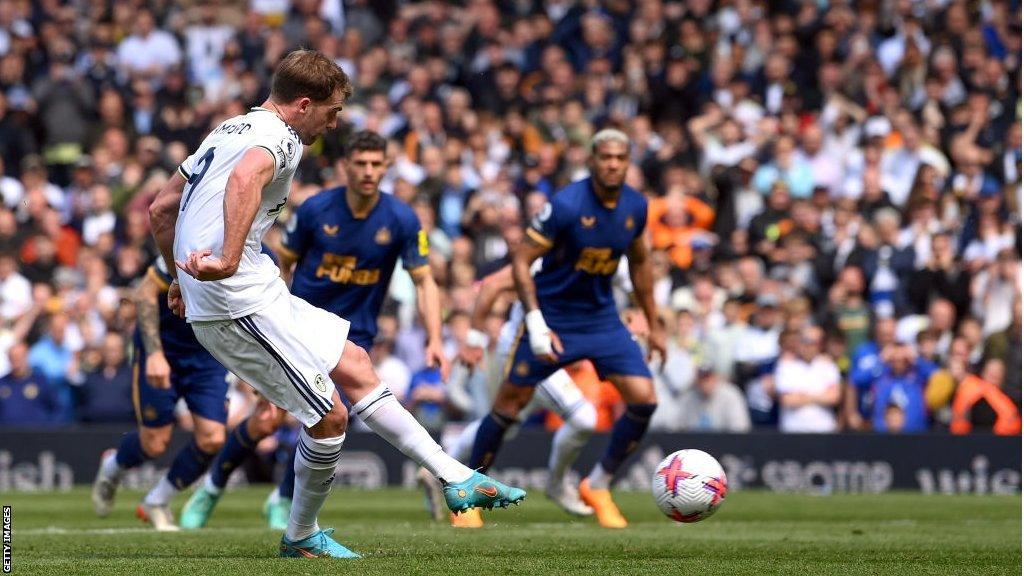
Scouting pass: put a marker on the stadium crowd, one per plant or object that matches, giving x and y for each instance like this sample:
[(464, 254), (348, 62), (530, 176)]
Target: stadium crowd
[(834, 186)]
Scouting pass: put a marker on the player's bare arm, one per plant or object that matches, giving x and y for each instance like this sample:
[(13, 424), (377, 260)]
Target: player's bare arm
[(543, 341), (428, 302), (163, 215), (642, 276), (491, 288), (145, 295), (241, 202)]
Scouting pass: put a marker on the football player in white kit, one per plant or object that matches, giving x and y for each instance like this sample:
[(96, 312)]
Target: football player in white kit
[(557, 393), (208, 221)]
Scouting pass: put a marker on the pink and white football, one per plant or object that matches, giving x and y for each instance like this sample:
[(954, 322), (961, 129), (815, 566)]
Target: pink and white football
[(689, 485)]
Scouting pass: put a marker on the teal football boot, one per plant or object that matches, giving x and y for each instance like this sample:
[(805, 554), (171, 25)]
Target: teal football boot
[(480, 491), (319, 545)]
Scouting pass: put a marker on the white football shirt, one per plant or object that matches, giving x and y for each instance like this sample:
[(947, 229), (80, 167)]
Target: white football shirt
[(200, 223)]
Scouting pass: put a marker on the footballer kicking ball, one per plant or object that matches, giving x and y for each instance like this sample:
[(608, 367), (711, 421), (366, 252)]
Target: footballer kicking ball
[(689, 485)]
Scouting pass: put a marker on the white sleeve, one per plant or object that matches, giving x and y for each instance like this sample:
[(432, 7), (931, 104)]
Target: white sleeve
[(284, 147), (187, 166)]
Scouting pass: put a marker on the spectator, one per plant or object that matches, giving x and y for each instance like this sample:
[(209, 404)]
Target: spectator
[(148, 52), (788, 167), (427, 398), (105, 394), (808, 386), (756, 353), (900, 387), (866, 366), (941, 277), (26, 396), (15, 289), (1006, 346), (980, 403), (713, 405), (54, 355)]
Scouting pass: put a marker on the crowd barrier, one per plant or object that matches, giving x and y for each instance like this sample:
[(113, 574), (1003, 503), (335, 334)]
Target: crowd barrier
[(40, 460)]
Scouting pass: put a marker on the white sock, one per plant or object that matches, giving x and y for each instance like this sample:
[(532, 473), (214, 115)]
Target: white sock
[(275, 497), (161, 494), (570, 439), (209, 486), (381, 411), (600, 479), (110, 467), (463, 445), (315, 461)]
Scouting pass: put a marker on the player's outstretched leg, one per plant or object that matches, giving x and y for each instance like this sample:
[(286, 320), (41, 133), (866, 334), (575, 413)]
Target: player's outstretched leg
[(595, 490), (463, 488), (382, 413), (113, 465)]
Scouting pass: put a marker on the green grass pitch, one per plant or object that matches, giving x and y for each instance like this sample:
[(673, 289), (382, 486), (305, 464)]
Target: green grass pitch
[(754, 533)]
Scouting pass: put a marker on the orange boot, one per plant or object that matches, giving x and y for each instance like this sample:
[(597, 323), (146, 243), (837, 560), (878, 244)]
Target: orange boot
[(469, 519), (607, 512)]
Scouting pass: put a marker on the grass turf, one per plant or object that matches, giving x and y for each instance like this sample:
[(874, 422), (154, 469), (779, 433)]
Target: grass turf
[(754, 533)]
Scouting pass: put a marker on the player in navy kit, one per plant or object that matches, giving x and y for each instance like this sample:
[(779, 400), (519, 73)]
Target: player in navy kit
[(571, 315), (344, 244), (169, 364)]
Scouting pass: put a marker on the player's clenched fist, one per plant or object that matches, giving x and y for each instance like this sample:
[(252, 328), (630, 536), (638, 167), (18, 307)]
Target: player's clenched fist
[(204, 266)]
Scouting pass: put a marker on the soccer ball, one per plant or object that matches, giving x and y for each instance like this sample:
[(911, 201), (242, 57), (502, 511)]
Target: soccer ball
[(689, 485)]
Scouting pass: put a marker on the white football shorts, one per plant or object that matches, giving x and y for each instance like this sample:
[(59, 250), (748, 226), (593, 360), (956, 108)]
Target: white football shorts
[(286, 351)]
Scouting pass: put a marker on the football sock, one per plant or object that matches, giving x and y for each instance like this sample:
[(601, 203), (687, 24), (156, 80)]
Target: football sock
[(188, 466), (237, 448), (287, 485), (129, 454), (626, 435), (210, 487), (463, 445), (315, 461), (382, 412), (488, 440), (570, 439), (161, 494)]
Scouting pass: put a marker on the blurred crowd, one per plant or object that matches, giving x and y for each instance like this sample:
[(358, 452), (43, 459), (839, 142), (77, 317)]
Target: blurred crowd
[(834, 186)]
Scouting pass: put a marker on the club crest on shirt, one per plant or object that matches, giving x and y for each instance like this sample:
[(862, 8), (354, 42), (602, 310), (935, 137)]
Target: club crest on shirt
[(331, 230), (383, 236), (288, 147), (522, 368), (588, 221), (629, 223)]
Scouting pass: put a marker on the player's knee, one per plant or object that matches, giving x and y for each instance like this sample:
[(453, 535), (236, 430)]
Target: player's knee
[(332, 425), (210, 441), (511, 400), (355, 369), (584, 418), (154, 441), (644, 397)]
